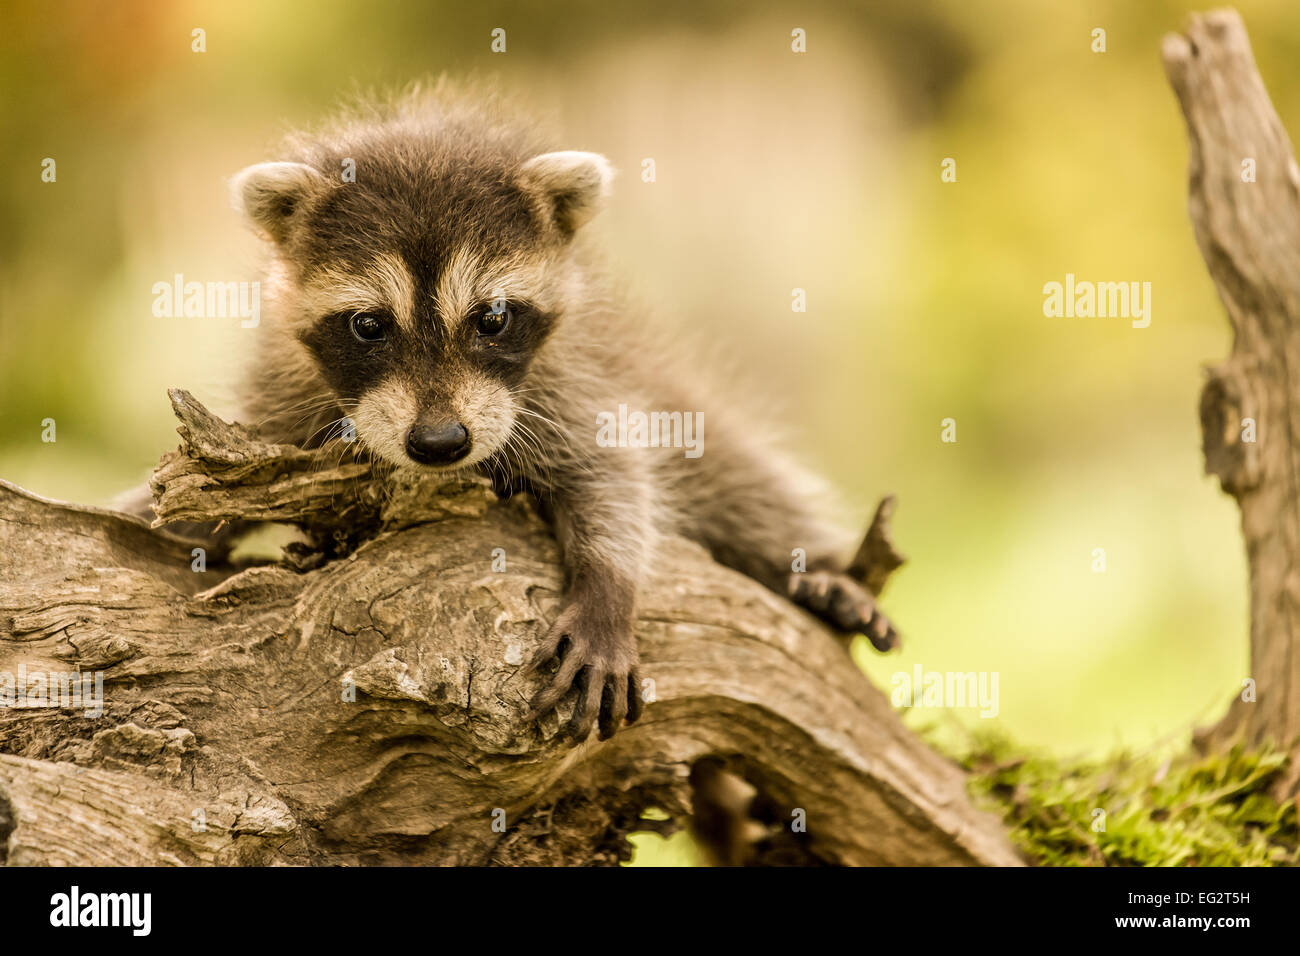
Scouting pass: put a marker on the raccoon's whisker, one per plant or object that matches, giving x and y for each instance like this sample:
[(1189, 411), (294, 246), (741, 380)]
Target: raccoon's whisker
[(339, 423), (307, 423), (286, 409), (532, 414), (347, 447), (494, 466), (522, 435), (555, 431), (317, 400), (333, 406), (323, 462), (507, 450), (530, 438), (307, 407), (530, 445)]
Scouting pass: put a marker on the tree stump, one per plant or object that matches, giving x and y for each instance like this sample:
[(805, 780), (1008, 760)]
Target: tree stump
[(1245, 209)]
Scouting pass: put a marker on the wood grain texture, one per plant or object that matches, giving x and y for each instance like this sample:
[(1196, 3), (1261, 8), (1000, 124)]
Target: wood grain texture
[(229, 734), (1249, 235)]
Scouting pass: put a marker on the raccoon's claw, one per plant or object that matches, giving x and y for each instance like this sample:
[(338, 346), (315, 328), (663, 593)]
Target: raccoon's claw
[(843, 603), (601, 665)]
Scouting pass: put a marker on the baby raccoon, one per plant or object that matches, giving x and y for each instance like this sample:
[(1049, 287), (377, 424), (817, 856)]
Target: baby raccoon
[(428, 284)]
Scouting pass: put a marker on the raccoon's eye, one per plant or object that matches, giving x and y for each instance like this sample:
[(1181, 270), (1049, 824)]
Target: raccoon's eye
[(367, 327), (493, 322)]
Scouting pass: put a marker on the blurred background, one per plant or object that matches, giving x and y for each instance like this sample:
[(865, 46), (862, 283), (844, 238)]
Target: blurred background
[(774, 171)]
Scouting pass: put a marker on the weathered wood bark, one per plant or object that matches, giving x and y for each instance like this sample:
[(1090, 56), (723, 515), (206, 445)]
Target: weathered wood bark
[(1249, 234), (371, 708)]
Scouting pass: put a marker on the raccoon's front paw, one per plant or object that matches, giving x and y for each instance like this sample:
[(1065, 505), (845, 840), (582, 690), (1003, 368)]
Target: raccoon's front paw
[(600, 659), (844, 604)]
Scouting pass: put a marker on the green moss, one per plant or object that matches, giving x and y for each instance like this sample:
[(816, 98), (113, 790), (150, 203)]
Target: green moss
[(1188, 810)]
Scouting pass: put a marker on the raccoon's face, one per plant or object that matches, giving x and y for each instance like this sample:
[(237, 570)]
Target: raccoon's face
[(424, 287)]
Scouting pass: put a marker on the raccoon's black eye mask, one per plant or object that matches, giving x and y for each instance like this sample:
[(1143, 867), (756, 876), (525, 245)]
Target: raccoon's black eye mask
[(371, 326), (358, 347)]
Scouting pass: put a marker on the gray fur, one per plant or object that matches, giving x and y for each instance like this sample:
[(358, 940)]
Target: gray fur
[(451, 196)]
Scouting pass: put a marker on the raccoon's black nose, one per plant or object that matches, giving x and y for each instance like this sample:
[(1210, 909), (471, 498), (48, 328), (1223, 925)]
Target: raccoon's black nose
[(437, 444)]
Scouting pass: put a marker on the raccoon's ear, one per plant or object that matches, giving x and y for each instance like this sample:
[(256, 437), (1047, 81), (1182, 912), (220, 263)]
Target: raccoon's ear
[(571, 185), (268, 194)]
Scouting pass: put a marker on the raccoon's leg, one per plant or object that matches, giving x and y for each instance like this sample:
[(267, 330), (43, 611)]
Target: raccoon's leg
[(601, 527), (843, 603), (757, 512)]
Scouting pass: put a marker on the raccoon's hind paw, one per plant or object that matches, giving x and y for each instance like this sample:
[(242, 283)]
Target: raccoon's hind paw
[(598, 660), (844, 604)]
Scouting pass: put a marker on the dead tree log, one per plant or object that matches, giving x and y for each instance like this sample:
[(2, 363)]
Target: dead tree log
[(1245, 208), (364, 702)]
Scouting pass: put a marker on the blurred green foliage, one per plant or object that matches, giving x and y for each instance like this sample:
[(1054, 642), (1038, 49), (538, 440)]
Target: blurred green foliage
[(775, 171)]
